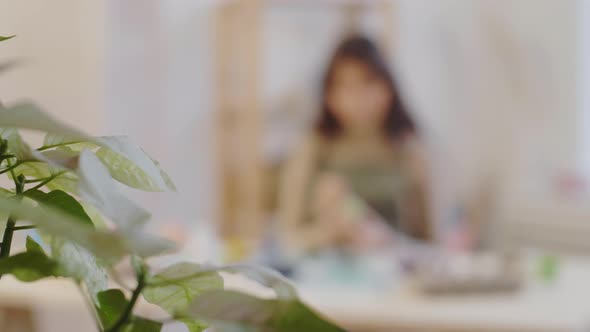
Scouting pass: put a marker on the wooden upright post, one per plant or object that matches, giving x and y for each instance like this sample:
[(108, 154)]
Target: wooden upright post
[(238, 47), (239, 128)]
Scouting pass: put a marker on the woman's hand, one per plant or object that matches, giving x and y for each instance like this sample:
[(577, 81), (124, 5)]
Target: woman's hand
[(328, 198), (330, 193), (341, 224), (368, 235)]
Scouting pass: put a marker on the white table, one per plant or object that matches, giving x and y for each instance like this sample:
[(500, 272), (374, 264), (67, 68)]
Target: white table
[(563, 306), (56, 305)]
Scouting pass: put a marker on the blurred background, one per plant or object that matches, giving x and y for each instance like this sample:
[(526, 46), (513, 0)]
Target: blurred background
[(224, 94)]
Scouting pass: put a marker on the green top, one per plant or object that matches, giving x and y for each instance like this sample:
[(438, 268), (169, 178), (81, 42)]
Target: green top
[(379, 183)]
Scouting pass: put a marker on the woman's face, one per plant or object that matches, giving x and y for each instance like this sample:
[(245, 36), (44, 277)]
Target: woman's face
[(358, 97)]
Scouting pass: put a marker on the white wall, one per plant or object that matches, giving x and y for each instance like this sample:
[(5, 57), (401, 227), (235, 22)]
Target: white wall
[(160, 93), (583, 91), (140, 68), (494, 81), (61, 46)]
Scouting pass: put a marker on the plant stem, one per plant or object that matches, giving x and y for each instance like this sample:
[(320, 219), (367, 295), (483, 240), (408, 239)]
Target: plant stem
[(11, 223), (187, 277), (126, 316), (7, 238), (91, 307), (20, 228), (47, 180), (7, 156), (47, 147), (36, 180), (10, 168)]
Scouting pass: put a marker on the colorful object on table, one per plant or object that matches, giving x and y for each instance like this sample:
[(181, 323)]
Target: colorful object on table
[(235, 249), (548, 268)]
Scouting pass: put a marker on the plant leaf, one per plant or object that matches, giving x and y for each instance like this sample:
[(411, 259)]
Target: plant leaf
[(6, 194), (33, 246), (124, 171), (53, 140), (78, 263), (5, 133), (145, 245), (97, 218), (56, 160), (67, 181), (9, 64), (126, 162), (97, 188), (16, 145), (62, 157), (167, 179), (139, 324), (111, 304), (31, 265), (194, 325), (107, 245), (282, 286), (2, 38), (29, 116), (176, 286), (269, 315), (129, 164), (61, 201)]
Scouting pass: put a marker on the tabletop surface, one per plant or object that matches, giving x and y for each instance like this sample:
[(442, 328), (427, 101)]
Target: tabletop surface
[(559, 305)]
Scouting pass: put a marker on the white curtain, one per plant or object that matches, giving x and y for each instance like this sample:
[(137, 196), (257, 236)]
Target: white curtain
[(494, 84), (160, 85)]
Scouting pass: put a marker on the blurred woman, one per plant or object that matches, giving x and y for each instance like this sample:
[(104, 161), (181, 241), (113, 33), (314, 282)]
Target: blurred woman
[(360, 177)]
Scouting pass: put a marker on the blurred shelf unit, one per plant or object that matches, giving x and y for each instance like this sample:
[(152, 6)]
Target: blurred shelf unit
[(239, 46), (557, 225)]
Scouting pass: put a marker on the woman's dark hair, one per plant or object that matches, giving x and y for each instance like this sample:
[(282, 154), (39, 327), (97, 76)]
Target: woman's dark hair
[(397, 121)]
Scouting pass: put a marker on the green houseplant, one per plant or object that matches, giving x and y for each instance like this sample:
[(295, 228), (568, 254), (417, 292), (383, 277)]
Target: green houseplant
[(65, 192)]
